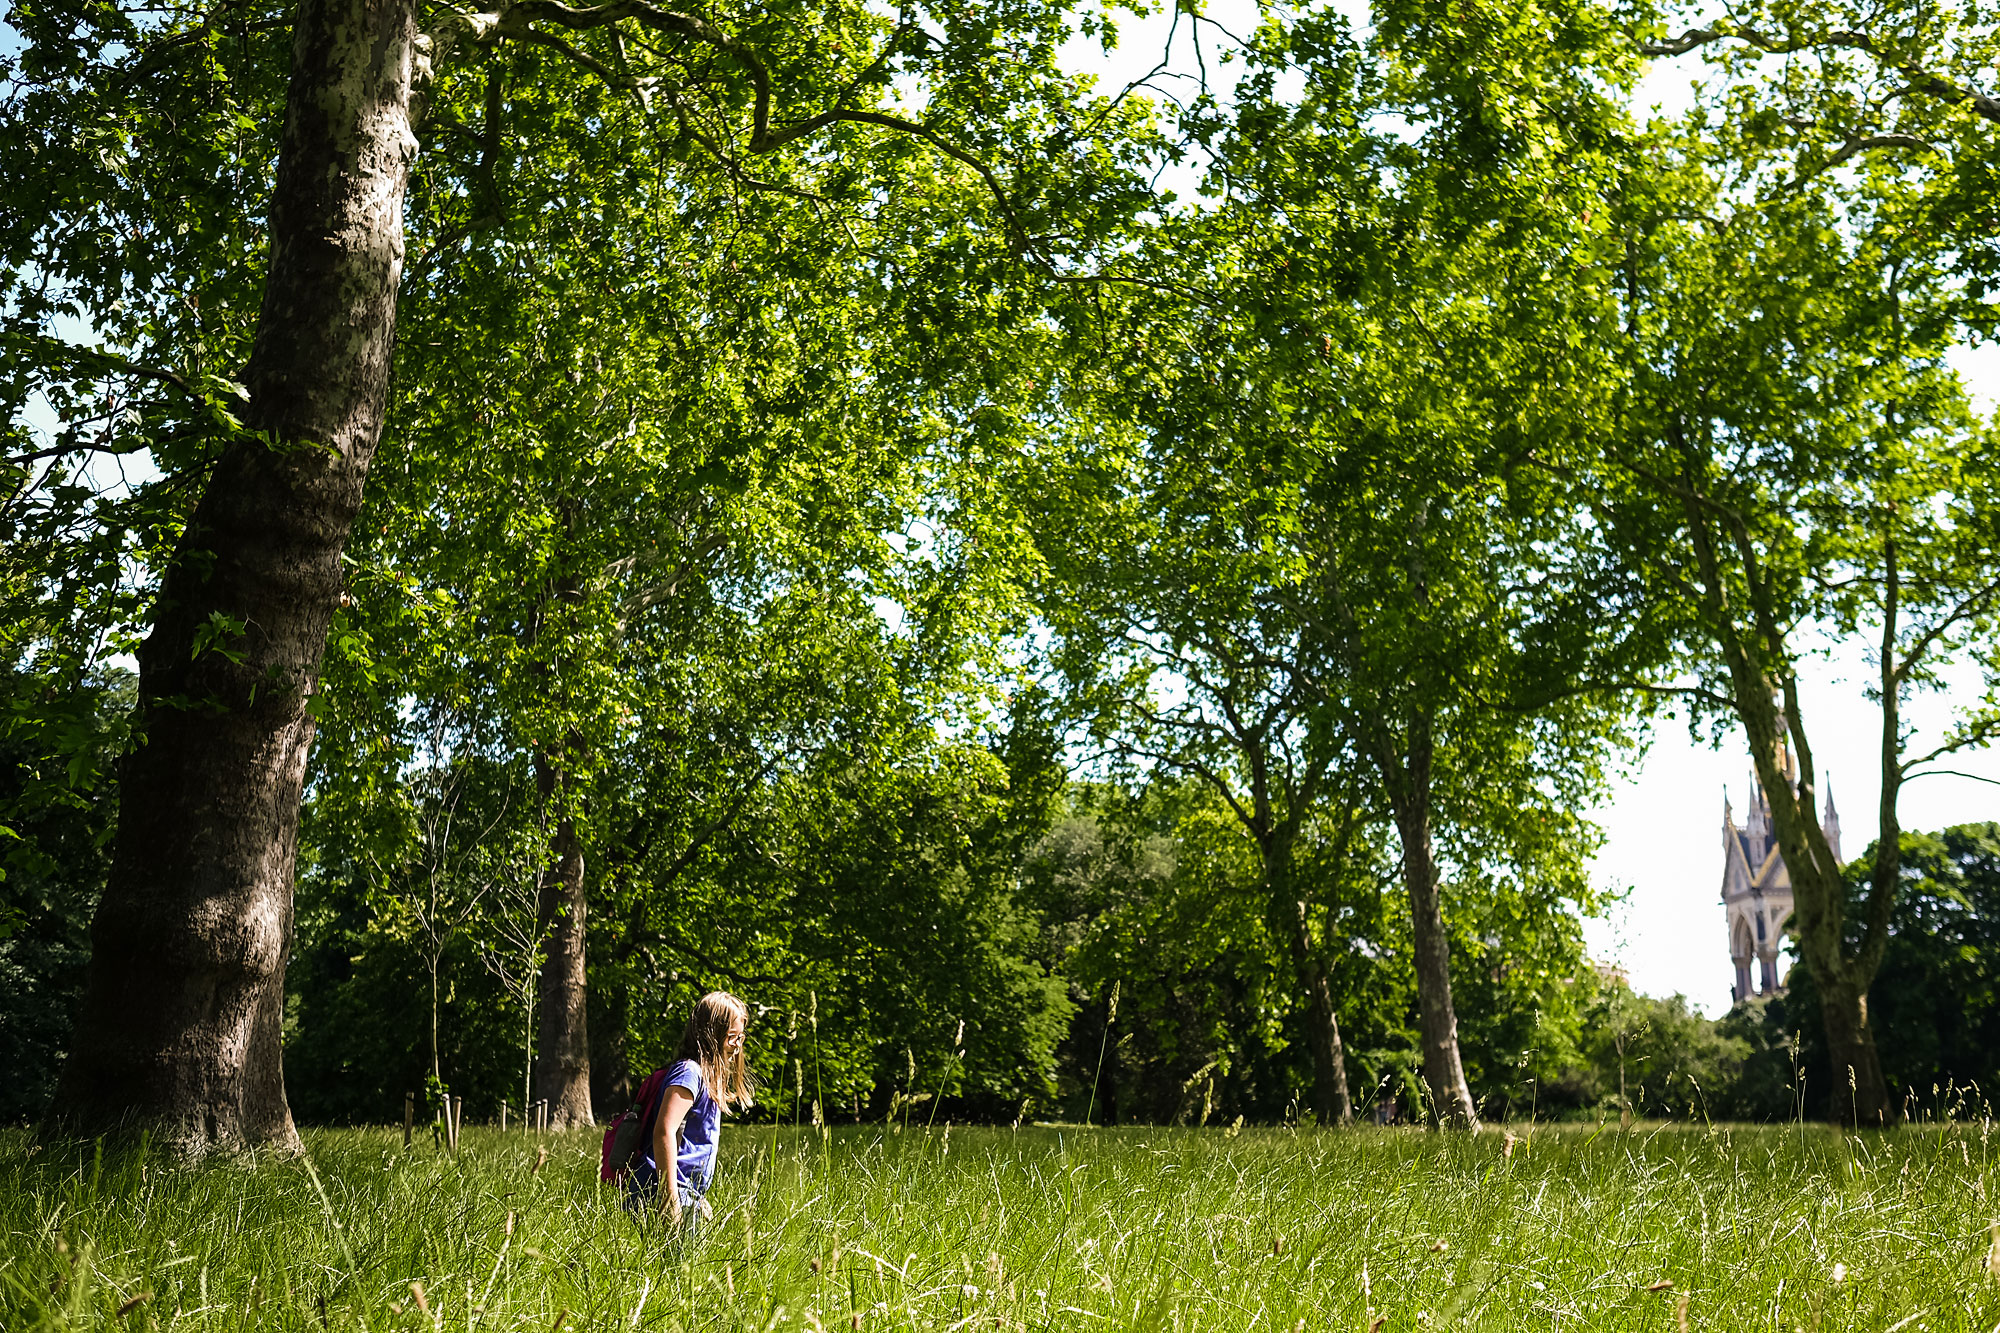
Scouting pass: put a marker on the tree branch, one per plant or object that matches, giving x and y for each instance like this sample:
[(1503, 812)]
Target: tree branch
[(1921, 80), (1966, 609), (1950, 773), (517, 21), (93, 358)]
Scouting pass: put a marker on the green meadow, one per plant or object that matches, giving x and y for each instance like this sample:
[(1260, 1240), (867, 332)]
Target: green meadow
[(1654, 1227)]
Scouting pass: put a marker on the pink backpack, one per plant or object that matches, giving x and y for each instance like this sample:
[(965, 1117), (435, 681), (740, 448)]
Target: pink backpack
[(626, 1134)]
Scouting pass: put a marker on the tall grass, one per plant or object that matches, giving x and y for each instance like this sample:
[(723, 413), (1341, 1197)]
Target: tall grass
[(1652, 1228)]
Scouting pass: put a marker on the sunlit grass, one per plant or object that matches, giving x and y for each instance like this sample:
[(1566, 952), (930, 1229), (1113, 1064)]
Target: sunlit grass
[(1726, 1228)]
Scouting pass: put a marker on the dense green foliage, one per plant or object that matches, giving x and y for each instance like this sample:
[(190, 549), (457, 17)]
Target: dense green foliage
[(1023, 630), (1936, 992), (1933, 1004), (877, 1229), (1934, 998), (52, 862)]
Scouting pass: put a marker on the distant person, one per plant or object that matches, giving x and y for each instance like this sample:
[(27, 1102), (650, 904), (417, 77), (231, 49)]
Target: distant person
[(708, 1077)]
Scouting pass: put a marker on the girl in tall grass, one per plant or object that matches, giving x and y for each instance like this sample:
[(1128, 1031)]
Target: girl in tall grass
[(708, 1077)]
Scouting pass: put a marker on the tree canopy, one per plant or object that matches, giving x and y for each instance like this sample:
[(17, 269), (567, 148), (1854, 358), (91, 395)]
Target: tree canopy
[(1074, 600)]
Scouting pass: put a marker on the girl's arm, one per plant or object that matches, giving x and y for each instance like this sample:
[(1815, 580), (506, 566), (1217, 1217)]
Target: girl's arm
[(666, 1134)]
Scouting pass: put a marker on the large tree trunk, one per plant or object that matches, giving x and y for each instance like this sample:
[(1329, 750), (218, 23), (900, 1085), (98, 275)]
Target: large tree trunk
[(562, 1047), (1437, 1018), (1331, 1103), (180, 1029)]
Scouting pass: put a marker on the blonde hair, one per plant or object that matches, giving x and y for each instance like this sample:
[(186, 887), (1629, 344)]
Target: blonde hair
[(705, 1041)]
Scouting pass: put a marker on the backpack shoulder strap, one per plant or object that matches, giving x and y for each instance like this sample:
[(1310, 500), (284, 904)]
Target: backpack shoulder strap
[(652, 1096)]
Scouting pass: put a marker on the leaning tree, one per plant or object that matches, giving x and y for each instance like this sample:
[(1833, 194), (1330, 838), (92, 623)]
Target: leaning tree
[(1789, 460)]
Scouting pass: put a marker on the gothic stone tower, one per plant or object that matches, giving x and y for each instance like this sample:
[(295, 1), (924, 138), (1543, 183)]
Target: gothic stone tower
[(1756, 887)]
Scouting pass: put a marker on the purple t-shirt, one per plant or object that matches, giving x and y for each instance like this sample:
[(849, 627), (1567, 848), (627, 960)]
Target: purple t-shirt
[(694, 1162)]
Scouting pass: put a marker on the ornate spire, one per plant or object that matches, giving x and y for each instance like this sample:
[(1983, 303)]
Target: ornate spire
[(1829, 823), (1759, 811)]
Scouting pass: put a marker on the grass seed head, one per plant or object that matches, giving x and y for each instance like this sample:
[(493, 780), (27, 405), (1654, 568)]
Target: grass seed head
[(129, 1306), (417, 1295), (1681, 1313), (1439, 1247), (1664, 1284), (1839, 1274)]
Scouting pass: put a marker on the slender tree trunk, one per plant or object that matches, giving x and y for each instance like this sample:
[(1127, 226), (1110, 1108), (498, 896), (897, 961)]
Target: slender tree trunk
[(528, 1056), (1819, 890), (180, 1027), (1331, 1103), (1444, 1072), (1860, 1093), (562, 1049), (1437, 1018), (437, 1060)]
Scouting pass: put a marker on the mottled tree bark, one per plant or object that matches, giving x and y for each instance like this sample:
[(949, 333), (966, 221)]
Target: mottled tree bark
[(1437, 1018), (562, 1045), (180, 1029)]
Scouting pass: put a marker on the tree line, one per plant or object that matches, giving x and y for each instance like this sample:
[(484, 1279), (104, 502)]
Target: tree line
[(515, 518)]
